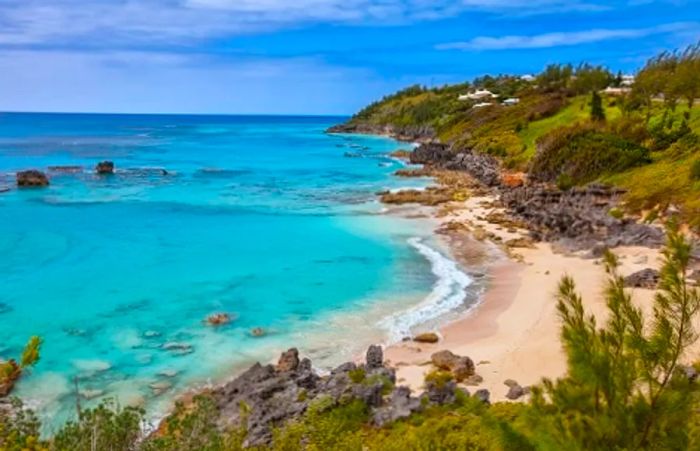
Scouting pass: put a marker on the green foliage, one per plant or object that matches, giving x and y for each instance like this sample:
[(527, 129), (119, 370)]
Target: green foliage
[(695, 171), (20, 432), (616, 213), (107, 427), (438, 378), (591, 78), (623, 388), (30, 355), (357, 375), (584, 153), (597, 110)]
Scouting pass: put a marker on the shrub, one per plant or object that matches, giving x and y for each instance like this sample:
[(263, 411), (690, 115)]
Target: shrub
[(695, 170), (584, 153)]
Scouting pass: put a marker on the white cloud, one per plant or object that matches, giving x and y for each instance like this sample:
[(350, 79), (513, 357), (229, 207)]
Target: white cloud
[(100, 22), (567, 38)]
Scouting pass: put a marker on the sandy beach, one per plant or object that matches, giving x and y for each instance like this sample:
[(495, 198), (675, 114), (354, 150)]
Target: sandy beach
[(514, 332)]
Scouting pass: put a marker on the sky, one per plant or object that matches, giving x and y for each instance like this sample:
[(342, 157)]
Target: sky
[(305, 56)]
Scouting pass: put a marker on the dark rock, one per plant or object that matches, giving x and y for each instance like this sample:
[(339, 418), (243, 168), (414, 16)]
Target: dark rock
[(345, 368), (474, 379), (460, 367), (375, 357), (400, 405), (646, 278), (32, 178), (289, 360), (105, 167), (441, 393), (483, 395), (515, 392)]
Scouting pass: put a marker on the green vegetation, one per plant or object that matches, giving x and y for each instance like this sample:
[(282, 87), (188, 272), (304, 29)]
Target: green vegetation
[(11, 371), (651, 129), (625, 388)]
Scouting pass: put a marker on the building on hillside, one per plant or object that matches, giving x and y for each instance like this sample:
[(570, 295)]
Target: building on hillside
[(479, 94), (482, 104), (528, 78), (627, 80), (511, 101), (612, 91)]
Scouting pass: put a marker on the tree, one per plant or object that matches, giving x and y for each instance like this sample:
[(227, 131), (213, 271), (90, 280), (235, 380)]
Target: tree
[(625, 387), (597, 110), (591, 78)]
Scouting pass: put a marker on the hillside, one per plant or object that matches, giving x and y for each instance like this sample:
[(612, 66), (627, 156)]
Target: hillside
[(644, 139)]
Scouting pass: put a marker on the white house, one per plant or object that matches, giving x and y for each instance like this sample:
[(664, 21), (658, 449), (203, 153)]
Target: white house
[(511, 101), (479, 94), (528, 78), (482, 104), (611, 91), (627, 80)]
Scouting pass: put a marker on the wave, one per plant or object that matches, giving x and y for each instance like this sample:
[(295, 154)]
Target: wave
[(448, 294)]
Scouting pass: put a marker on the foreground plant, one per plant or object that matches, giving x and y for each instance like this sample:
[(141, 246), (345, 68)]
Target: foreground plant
[(625, 387), (10, 371)]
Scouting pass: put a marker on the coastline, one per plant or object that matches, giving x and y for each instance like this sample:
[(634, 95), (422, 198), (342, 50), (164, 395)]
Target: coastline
[(513, 332)]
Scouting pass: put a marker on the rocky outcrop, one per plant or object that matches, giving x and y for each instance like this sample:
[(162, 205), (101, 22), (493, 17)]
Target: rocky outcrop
[(460, 367), (411, 133), (578, 218), (9, 375), (272, 395), (218, 319), (105, 167), (31, 178), (646, 278)]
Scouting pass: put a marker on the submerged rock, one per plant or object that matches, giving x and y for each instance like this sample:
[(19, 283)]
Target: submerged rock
[(257, 332), (218, 319), (105, 167), (32, 178)]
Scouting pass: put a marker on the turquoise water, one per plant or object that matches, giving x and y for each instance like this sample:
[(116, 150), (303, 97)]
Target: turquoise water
[(266, 218)]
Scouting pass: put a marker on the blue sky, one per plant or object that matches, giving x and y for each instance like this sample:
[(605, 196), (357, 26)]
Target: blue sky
[(304, 56)]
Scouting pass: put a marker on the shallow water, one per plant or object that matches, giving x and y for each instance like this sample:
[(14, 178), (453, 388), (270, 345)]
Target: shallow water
[(266, 218)]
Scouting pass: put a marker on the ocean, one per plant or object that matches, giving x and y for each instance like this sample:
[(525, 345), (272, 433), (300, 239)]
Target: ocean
[(266, 218)]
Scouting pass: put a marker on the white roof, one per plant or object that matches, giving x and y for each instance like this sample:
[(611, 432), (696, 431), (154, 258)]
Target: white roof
[(482, 104)]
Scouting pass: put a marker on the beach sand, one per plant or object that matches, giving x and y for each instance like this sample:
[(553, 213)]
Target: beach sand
[(514, 332)]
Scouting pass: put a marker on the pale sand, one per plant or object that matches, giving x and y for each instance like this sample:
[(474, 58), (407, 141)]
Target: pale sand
[(514, 333)]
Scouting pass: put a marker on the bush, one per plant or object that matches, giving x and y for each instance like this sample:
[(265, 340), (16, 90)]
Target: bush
[(584, 153), (695, 170)]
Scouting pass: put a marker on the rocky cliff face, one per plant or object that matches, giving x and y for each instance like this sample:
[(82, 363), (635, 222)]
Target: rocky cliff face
[(274, 395)]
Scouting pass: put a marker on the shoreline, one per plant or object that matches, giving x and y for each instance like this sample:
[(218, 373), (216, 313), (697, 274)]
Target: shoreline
[(513, 333)]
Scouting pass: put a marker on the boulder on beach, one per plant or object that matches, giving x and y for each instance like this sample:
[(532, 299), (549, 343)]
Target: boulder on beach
[(646, 278), (105, 167), (31, 178), (460, 367), (428, 337)]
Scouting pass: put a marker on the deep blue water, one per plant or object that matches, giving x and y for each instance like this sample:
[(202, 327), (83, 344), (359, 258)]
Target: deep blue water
[(266, 218)]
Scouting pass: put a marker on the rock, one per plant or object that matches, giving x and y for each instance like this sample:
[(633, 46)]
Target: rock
[(218, 319), (160, 387), (400, 405), (66, 169), (646, 278), (257, 332), (474, 379), (177, 347), (168, 373), (32, 178), (515, 392), (483, 395), (510, 383), (524, 242), (10, 377), (288, 361), (151, 334), (374, 357), (460, 367), (513, 179), (428, 337), (105, 167)]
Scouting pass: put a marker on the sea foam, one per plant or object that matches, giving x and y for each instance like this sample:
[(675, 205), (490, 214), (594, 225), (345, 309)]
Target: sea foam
[(447, 294)]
